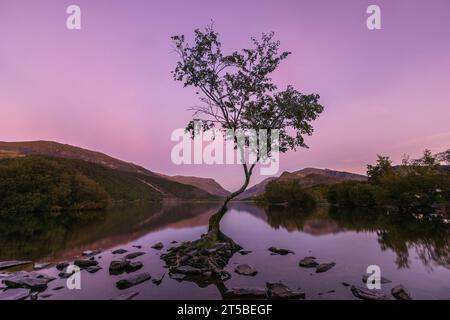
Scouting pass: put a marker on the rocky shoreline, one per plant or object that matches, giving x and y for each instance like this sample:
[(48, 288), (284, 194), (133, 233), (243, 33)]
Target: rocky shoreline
[(201, 261)]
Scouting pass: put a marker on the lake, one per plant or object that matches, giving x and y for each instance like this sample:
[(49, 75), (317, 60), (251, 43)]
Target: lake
[(409, 251)]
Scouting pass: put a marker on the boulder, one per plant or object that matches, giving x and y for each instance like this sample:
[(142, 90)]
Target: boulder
[(119, 251), (90, 253), (280, 251), (158, 246), (245, 270), (93, 269), (132, 281), (83, 264), (400, 293), (366, 294), (187, 270), (15, 294), (134, 255), (308, 262), (280, 291), (62, 265), (324, 267), (26, 280)]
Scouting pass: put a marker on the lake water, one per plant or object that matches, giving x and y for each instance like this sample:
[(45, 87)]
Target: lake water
[(411, 252)]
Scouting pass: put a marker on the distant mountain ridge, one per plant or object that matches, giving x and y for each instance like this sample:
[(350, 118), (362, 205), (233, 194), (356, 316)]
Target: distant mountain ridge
[(211, 185), (165, 185), (307, 177)]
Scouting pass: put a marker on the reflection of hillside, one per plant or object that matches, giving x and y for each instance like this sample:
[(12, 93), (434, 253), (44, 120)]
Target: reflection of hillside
[(37, 238), (315, 222), (401, 232)]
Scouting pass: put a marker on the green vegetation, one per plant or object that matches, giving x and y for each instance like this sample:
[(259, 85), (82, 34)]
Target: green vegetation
[(416, 185), (48, 184), (289, 193)]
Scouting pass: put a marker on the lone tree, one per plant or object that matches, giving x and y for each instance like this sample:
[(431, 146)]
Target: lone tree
[(237, 93)]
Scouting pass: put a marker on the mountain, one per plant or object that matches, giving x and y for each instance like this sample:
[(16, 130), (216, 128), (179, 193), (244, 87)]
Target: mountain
[(59, 150), (307, 177), (207, 184), (164, 187)]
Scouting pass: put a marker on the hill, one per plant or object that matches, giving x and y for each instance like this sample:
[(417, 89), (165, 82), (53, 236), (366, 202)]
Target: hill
[(307, 177), (43, 183), (206, 184)]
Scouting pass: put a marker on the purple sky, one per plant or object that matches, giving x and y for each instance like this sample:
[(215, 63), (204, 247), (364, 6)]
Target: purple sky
[(108, 87)]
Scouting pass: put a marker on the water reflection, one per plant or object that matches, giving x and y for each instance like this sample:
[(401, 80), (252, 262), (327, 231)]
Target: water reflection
[(57, 238)]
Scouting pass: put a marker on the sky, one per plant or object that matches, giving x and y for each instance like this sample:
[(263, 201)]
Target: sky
[(108, 86)]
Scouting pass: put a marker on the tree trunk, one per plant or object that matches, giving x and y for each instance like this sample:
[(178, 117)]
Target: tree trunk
[(214, 221)]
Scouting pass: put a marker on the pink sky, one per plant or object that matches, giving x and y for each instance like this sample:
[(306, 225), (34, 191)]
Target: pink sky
[(108, 86)]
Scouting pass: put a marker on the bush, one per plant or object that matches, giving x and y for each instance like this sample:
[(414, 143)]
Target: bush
[(290, 193), (353, 194)]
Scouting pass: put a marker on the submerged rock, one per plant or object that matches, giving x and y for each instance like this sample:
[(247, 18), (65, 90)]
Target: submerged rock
[(188, 270), (134, 255), (324, 267), (133, 280), (308, 262), (245, 270), (158, 246), (15, 294), (280, 251), (245, 252), (83, 264), (137, 246), (367, 294), (126, 296), (280, 291), (62, 265), (13, 263), (383, 280), (117, 267), (40, 265), (158, 281), (400, 293), (93, 269), (26, 280), (244, 293), (119, 251)]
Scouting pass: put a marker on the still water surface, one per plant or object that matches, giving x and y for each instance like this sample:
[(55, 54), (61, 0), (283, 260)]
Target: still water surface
[(411, 252)]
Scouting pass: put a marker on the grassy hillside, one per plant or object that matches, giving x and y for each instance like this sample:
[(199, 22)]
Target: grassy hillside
[(41, 183)]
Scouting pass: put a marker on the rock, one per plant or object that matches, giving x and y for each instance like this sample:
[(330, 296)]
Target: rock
[(15, 294), (126, 296), (62, 265), (324, 267), (158, 281), (83, 264), (64, 274), (119, 251), (58, 288), (279, 291), (45, 295), (41, 265), (137, 246), (383, 280), (177, 276), (345, 284), (367, 294), (173, 242), (93, 269), (132, 281), (90, 253), (26, 280), (280, 251), (245, 252), (400, 293), (14, 263), (188, 270), (134, 255), (244, 293), (245, 270), (308, 262), (120, 266), (158, 246)]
